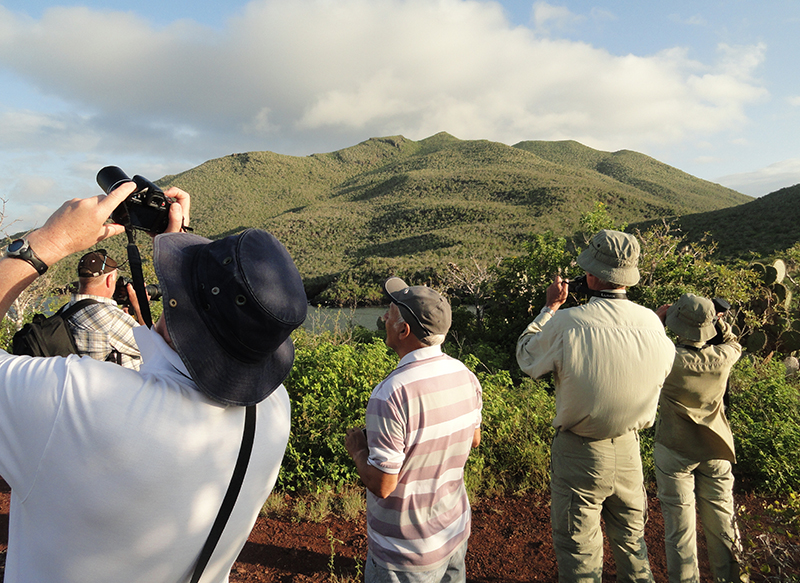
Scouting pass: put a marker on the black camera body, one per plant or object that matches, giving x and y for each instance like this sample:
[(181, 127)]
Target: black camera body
[(579, 286), (146, 209), (121, 292)]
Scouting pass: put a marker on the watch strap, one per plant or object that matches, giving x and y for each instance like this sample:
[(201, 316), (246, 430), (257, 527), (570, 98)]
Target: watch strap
[(26, 253)]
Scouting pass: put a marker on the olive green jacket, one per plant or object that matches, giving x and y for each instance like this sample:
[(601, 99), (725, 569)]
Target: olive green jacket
[(692, 417)]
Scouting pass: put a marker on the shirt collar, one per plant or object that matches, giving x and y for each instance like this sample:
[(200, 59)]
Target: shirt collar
[(155, 350), (101, 299), (420, 354)]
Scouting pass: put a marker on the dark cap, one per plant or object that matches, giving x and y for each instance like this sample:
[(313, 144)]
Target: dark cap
[(424, 309), (96, 263)]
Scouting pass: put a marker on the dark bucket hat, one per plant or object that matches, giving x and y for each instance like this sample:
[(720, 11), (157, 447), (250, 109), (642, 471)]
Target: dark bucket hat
[(230, 306), (424, 309)]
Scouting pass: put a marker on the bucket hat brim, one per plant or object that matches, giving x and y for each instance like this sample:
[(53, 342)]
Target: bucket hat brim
[(612, 256), (217, 374), (688, 325)]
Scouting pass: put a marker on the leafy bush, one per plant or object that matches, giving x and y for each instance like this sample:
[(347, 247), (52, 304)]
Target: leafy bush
[(765, 418), (329, 387), (514, 455)]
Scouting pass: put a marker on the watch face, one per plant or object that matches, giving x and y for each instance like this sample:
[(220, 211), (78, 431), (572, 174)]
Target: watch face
[(16, 245)]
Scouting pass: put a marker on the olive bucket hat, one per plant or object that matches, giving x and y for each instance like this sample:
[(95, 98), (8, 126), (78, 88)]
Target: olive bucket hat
[(612, 256), (692, 318), (230, 306)]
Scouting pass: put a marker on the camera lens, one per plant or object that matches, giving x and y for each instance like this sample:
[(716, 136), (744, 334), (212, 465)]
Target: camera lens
[(111, 177)]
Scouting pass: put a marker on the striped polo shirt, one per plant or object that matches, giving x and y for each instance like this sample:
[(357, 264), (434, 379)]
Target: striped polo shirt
[(420, 424)]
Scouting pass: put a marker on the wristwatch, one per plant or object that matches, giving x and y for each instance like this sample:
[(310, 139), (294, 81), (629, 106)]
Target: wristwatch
[(21, 249)]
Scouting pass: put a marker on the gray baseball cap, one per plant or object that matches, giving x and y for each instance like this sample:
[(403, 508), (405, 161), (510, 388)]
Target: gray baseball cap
[(612, 256), (425, 310), (692, 318)]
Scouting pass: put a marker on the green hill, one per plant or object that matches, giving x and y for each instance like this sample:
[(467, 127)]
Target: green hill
[(393, 205), (765, 226), (642, 172)]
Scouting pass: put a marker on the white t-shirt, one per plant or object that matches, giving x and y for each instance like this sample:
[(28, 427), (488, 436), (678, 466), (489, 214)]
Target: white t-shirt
[(118, 475)]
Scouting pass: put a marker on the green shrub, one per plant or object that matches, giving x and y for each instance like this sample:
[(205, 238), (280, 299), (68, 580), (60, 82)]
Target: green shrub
[(329, 387), (514, 454), (765, 418)]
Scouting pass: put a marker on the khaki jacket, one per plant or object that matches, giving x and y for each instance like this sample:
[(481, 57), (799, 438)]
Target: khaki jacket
[(692, 417), (608, 357)]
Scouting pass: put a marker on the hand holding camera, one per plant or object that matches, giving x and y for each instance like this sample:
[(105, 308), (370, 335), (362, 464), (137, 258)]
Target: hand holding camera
[(147, 208), (123, 298)]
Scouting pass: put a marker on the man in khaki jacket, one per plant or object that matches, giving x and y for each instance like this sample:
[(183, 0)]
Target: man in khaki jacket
[(609, 358), (694, 444)]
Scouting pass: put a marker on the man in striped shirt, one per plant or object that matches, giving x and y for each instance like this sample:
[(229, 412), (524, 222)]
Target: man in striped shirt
[(421, 422)]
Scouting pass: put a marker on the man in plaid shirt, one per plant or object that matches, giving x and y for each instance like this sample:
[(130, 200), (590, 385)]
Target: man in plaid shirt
[(102, 330)]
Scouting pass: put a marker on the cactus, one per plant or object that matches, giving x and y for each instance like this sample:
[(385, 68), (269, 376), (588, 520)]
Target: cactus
[(775, 327), (780, 270), (789, 341), (757, 341)]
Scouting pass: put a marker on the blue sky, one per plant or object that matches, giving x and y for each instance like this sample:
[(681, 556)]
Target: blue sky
[(711, 88)]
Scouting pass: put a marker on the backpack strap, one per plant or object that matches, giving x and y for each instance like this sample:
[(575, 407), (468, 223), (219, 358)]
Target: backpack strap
[(68, 312), (230, 496)]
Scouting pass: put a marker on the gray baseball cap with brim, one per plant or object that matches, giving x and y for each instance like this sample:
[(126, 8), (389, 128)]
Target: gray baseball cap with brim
[(612, 256), (230, 306), (425, 310), (692, 318)]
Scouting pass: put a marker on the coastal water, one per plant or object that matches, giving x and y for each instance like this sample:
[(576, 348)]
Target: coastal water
[(321, 318)]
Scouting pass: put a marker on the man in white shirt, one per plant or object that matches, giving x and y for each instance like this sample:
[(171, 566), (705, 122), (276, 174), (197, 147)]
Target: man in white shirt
[(609, 358), (118, 475)]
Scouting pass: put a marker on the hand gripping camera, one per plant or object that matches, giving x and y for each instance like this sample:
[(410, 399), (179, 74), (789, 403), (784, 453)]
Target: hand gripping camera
[(122, 297), (146, 209)]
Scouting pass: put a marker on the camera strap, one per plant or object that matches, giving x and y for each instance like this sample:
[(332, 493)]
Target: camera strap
[(248, 436), (135, 261), (607, 295)]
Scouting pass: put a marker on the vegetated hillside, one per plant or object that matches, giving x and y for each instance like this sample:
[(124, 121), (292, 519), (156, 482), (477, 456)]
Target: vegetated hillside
[(765, 226), (393, 205), (642, 172)]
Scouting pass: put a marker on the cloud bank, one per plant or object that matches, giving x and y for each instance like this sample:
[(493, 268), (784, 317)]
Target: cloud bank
[(305, 76)]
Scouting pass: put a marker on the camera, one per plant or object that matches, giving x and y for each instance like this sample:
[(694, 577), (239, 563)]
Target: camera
[(721, 306), (121, 292), (578, 286), (146, 209)]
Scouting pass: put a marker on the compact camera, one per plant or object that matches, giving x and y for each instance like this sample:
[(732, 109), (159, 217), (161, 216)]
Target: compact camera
[(146, 209), (121, 292)]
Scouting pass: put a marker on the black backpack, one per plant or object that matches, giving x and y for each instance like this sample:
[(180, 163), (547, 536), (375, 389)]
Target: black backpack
[(48, 336)]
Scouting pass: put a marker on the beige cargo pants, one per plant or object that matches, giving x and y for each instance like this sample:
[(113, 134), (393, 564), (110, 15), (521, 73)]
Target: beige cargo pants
[(683, 485), (591, 479)]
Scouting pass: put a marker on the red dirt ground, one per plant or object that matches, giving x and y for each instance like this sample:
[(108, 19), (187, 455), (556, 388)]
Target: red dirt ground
[(510, 542)]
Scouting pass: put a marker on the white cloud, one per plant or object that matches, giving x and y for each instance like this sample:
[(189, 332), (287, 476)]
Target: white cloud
[(298, 76), (367, 65), (547, 15), (794, 100), (765, 180)]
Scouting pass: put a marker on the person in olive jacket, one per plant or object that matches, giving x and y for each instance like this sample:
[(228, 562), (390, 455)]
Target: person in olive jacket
[(694, 447)]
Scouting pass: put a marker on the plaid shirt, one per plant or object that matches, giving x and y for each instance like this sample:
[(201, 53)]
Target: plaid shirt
[(100, 329)]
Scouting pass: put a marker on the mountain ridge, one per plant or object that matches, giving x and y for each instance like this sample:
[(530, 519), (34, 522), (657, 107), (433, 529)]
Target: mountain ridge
[(391, 205)]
